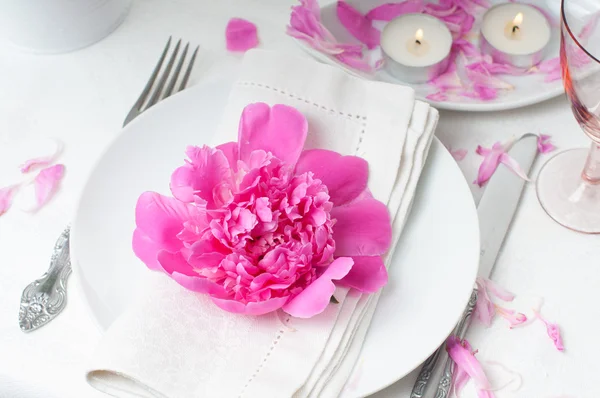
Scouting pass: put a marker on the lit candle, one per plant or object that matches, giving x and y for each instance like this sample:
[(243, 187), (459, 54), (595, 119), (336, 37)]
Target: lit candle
[(416, 47), (515, 34)]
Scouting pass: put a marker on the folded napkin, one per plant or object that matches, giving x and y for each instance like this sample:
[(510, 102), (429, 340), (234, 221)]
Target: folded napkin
[(175, 343)]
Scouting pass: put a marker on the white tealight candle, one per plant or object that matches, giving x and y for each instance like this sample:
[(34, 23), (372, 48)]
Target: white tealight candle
[(416, 47), (515, 33)]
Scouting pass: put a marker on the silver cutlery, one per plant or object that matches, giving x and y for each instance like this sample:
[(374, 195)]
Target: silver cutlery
[(496, 211), (43, 299)]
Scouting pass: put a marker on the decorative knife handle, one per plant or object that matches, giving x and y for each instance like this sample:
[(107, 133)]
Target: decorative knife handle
[(445, 383), (44, 298), (426, 372)]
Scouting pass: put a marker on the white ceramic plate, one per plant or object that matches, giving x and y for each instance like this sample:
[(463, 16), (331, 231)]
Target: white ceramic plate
[(528, 89), (430, 279)]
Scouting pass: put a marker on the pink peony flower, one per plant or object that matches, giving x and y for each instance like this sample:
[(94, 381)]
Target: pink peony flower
[(260, 224)]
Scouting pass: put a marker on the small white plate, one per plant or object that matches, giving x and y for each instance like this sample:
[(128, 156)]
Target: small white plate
[(431, 277), (528, 89)]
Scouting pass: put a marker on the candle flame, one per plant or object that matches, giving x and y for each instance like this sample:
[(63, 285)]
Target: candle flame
[(518, 19), (419, 35)]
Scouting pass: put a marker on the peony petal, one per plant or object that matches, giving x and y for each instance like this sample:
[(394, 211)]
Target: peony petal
[(345, 176), (240, 35), (484, 308), (466, 361), (553, 331), (230, 150), (544, 145), (355, 62), (459, 154), (514, 318), (362, 228), (513, 166), (490, 162), (495, 289), (368, 274), (202, 177), (358, 25), (252, 308), (46, 183), (146, 249), (42, 161), (315, 297), (389, 11), (459, 380), (280, 130), (159, 219), (6, 197)]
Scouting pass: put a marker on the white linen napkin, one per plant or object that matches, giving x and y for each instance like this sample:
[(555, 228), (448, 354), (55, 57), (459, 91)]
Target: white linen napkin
[(175, 343)]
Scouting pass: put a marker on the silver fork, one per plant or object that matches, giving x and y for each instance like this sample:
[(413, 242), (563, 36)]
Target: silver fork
[(43, 299)]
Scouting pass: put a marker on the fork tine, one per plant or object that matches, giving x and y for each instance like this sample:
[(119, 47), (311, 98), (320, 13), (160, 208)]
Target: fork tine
[(161, 83), (171, 85), (140, 101), (188, 70)]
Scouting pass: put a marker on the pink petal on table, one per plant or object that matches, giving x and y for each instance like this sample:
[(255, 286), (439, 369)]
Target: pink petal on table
[(460, 352), (465, 46), (493, 68), (514, 318), (553, 331), (495, 289), (368, 274), (440, 96), (46, 183), (459, 154), (42, 161), (241, 35), (490, 162), (6, 197), (362, 228), (484, 307), (513, 166), (441, 9), (389, 11), (358, 25), (315, 297), (544, 144), (280, 129), (459, 380), (345, 176)]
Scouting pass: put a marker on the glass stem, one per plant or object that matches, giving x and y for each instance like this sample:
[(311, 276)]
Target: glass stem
[(591, 171)]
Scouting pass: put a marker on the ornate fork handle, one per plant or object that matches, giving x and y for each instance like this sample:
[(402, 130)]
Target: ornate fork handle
[(429, 366), (45, 298)]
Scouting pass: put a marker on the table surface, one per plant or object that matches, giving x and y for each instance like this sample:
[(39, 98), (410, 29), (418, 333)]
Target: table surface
[(82, 98)]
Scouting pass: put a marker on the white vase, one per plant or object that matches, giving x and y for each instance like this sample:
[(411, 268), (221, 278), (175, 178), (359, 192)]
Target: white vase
[(56, 26)]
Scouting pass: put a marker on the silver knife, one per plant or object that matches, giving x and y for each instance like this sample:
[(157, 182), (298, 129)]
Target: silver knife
[(495, 211)]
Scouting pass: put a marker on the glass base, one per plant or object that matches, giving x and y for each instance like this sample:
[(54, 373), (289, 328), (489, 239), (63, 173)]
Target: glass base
[(566, 196)]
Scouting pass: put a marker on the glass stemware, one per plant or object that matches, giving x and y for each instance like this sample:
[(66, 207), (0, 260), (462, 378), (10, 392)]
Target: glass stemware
[(568, 186)]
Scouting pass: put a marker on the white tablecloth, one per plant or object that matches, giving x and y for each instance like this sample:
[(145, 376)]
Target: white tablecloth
[(83, 97)]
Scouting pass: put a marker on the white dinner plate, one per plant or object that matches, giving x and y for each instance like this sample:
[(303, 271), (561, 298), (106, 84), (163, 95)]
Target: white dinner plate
[(431, 276), (528, 90)]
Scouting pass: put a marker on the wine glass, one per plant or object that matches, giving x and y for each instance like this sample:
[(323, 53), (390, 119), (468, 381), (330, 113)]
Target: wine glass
[(568, 186)]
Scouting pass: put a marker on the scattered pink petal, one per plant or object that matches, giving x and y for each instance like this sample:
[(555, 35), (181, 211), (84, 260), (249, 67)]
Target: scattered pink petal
[(513, 317), (358, 25), (46, 183), (459, 379), (485, 309), (241, 35), (42, 161), (553, 331), (459, 154), (6, 197), (492, 158), (544, 144), (464, 358), (389, 11)]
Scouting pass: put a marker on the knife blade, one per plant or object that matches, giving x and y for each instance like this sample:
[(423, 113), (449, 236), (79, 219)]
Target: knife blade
[(495, 211)]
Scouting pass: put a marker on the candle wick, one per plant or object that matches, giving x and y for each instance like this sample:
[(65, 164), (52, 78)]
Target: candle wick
[(418, 42), (515, 28)]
